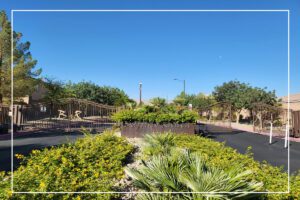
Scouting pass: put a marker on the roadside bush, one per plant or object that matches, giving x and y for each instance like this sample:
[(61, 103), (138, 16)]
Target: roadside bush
[(5, 192), (93, 163), (140, 115), (218, 155)]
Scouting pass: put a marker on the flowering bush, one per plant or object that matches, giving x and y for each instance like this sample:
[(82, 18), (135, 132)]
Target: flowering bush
[(93, 163)]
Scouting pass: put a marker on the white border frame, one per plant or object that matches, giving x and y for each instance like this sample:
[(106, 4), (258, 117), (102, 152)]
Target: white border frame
[(12, 92)]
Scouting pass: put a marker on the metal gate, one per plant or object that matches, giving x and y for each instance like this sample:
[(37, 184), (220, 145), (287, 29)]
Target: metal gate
[(69, 114)]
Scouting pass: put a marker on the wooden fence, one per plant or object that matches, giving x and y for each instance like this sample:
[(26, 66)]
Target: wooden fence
[(4, 119), (296, 123)]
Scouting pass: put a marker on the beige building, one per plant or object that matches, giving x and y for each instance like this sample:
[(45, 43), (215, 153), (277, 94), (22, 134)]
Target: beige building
[(294, 102)]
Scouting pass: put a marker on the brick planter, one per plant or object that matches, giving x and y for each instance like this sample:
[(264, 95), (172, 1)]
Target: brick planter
[(138, 130)]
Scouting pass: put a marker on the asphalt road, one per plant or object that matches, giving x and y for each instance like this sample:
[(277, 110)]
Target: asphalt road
[(274, 153)]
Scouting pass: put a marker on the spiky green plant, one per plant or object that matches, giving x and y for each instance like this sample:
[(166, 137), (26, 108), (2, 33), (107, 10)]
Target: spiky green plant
[(160, 143), (187, 172)]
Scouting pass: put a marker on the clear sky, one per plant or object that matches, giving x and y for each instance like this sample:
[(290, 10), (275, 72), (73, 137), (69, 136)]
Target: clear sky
[(123, 49)]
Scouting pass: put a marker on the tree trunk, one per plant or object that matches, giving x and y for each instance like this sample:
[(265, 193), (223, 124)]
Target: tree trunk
[(259, 116), (238, 112), (237, 117)]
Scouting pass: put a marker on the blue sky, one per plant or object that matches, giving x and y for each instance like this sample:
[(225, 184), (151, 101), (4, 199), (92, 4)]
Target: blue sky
[(122, 49)]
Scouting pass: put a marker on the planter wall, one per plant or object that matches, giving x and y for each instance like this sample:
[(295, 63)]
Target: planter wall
[(140, 129)]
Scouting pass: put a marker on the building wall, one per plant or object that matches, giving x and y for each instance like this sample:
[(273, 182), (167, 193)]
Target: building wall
[(39, 93), (294, 102)]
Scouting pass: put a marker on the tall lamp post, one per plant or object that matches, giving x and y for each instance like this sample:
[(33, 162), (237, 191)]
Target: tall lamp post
[(140, 88), (176, 79)]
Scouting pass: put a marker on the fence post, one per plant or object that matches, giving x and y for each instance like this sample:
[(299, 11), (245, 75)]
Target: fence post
[(271, 133), (286, 136)]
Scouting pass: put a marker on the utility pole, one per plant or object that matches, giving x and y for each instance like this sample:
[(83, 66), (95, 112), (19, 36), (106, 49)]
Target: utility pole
[(140, 88)]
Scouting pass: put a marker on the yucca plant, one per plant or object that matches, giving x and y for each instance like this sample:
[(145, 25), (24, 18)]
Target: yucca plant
[(182, 171), (158, 144)]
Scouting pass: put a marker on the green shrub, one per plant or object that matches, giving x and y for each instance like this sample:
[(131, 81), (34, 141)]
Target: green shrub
[(142, 115), (5, 192), (188, 116), (217, 154), (187, 172), (156, 144), (93, 163), (150, 117)]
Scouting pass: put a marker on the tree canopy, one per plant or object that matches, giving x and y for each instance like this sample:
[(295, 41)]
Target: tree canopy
[(200, 101), (233, 92), (100, 94), (25, 75), (243, 96), (233, 95)]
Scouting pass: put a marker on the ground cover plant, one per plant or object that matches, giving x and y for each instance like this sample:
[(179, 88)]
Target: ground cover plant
[(215, 160), (93, 163)]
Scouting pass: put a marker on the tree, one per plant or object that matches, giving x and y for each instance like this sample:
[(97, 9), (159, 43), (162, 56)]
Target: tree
[(100, 94), (5, 50), (25, 77), (55, 91), (233, 93), (203, 103), (261, 103)]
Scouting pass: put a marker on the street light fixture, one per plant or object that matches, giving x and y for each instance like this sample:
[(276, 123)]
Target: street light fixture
[(176, 79)]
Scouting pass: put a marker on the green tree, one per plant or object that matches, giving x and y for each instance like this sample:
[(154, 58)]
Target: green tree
[(100, 94), (204, 104), (234, 93), (56, 91), (202, 101), (261, 95), (5, 52), (261, 103), (25, 77)]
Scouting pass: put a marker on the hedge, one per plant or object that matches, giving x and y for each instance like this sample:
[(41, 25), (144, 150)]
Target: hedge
[(130, 116), (93, 163)]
